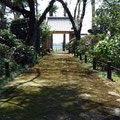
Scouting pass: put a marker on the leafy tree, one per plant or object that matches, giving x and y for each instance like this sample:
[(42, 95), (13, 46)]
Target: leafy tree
[(76, 20), (108, 49), (29, 12), (108, 17), (93, 12), (10, 47), (71, 45), (4, 50), (24, 54), (45, 34), (3, 21), (84, 45), (53, 10), (20, 28), (7, 38)]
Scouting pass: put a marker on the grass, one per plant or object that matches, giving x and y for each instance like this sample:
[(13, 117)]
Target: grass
[(103, 73), (4, 80), (58, 49)]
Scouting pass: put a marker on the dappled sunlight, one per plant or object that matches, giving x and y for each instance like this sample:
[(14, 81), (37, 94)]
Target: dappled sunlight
[(59, 88)]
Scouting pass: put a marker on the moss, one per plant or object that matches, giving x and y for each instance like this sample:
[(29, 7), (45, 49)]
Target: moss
[(55, 91)]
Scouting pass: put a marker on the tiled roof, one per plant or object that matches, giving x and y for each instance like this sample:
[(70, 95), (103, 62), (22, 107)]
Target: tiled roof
[(59, 24)]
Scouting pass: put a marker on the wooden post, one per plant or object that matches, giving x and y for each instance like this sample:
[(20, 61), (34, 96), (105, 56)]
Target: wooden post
[(64, 41), (7, 72), (77, 54), (23, 63), (51, 41), (85, 58), (42, 53), (12, 69), (109, 72), (94, 63), (69, 51), (74, 54), (36, 57), (80, 56)]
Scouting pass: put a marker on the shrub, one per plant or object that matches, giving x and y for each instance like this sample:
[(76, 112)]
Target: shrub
[(83, 44), (13, 66), (2, 66), (86, 43), (71, 45), (108, 49), (45, 34), (3, 23), (4, 50), (20, 28), (24, 54), (7, 38)]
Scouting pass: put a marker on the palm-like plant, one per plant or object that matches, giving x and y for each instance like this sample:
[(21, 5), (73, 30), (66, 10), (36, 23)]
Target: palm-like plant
[(53, 10)]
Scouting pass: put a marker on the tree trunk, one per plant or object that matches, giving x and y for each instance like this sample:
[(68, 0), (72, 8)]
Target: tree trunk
[(45, 12), (75, 10), (51, 41), (32, 26), (36, 2), (93, 12), (82, 17), (70, 17), (37, 43)]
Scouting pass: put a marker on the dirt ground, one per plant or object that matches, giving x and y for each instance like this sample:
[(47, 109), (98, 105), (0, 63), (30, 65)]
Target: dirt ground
[(60, 88)]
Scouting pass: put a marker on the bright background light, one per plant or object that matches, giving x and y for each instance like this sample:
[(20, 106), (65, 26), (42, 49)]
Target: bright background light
[(58, 38)]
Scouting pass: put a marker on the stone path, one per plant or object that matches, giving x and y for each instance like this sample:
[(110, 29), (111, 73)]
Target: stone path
[(60, 88)]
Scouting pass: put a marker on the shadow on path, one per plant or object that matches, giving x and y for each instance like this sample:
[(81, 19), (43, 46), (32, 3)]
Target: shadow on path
[(55, 103), (63, 89)]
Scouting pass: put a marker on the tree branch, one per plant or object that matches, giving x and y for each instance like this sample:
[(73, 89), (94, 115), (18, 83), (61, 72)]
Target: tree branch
[(76, 9), (31, 5), (83, 14), (78, 15), (69, 14), (41, 19), (15, 8)]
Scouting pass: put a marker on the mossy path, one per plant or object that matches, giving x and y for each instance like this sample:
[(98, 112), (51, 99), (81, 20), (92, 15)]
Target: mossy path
[(60, 88)]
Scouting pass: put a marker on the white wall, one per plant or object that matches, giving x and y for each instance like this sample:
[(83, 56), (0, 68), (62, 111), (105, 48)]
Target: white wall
[(58, 38)]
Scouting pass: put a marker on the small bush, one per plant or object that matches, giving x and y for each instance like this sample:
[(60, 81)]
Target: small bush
[(83, 44), (24, 54), (108, 49), (4, 51), (13, 66), (86, 43), (7, 38), (71, 45), (2, 66), (20, 28)]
